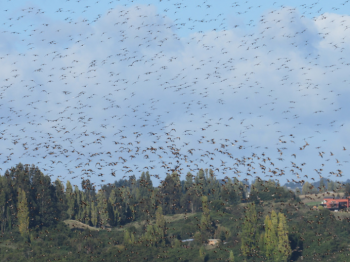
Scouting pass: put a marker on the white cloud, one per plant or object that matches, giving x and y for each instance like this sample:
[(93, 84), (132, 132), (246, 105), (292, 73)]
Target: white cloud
[(130, 71)]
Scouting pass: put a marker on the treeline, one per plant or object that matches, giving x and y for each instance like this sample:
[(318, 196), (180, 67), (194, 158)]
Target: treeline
[(324, 185), (321, 186), (33, 208), (43, 203), (29, 197)]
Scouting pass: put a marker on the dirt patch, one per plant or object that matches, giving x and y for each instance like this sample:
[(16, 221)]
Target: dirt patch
[(73, 224)]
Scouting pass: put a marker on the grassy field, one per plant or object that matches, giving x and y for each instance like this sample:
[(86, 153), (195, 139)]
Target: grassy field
[(314, 203), (8, 244), (341, 215), (313, 198), (78, 225), (169, 219)]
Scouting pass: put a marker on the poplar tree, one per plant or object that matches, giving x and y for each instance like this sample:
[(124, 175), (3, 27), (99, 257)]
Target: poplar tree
[(160, 226), (77, 198), (2, 205), (275, 241), (23, 213), (188, 195), (94, 213), (61, 201), (70, 200), (284, 249), (244, 248), (102, 207), (205, 219), (84, 209), (249, 231), (274, 219), (114, 209), (151, 235), (271, 240), (262, 244)]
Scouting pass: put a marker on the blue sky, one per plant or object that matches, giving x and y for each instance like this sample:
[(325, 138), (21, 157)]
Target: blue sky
[(94, 87)]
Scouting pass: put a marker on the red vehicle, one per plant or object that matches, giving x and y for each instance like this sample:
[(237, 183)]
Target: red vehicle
[(336, 204)]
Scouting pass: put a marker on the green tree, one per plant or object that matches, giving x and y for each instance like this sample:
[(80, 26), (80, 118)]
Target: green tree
[(94, 214), (274, 219), (306, 188), (284, 249), (275, 242), (262, 244), (229, 192), (23, 213), (322, 185), (231, 258), (330, 186), (44, 209), (271, 239), (2, 203), (170, 194), (151, 235), (250, 232), (102, 207), (347, 190), (127, 239), (205, 219), (84, 209), (70, 200), (113, 209), (160, 227), (61, 201)]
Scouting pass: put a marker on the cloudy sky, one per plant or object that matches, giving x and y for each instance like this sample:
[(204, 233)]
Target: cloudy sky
[(107, 89)]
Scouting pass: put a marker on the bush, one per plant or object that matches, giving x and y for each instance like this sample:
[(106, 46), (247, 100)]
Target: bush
[(217, 206)]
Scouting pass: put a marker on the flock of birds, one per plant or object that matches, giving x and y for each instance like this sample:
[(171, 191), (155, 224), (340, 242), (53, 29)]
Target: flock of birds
[(142, 88), (136, 90)]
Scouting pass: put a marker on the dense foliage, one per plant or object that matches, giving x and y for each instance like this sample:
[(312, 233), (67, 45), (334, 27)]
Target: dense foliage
[(127, 220)]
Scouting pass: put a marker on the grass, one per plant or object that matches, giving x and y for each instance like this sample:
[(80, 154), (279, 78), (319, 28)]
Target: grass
[(311, 198), (176, 217), (73, 224), (210, 247), (8, 244), (314, 203), (168, 219), (341, 214)]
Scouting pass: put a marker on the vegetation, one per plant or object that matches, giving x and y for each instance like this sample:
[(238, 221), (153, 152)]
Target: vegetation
[(131, 220)]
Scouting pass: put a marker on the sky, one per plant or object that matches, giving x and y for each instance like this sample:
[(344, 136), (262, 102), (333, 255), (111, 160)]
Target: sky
[(107, 89)]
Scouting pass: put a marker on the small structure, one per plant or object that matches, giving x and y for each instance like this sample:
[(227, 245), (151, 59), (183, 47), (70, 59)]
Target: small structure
[(335, 204), (214, 242), (187, 240)]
